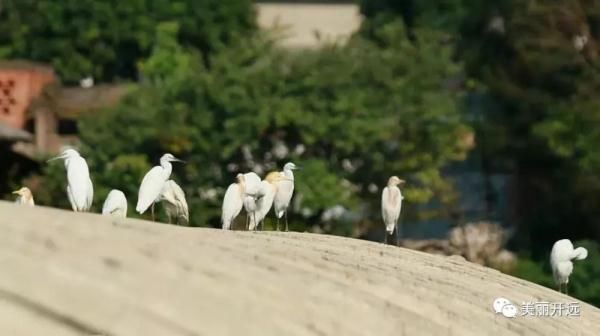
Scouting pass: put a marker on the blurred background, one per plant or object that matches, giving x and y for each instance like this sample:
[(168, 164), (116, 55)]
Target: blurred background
[(487, 108)]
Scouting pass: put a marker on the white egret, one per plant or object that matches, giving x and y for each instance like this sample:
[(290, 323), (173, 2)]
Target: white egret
[(253, 191), (560, 260), (153, 183), (115, 204), (79, 188), (244, 193), (251, 207), (264, 204), (285, 190), (24, 196), (233, 201), (251, 184), (391, 205), (173, 199)]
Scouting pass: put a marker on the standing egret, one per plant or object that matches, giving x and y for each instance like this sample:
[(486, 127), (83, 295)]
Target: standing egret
[(560, 260), (24, 196), (253, 191), (264, 204), (285, 190), (173, 199), (153, 183), (233, 201), (251, 183), (243, 193), (251, 207), (391, 204), (79, 188), (115, 204)]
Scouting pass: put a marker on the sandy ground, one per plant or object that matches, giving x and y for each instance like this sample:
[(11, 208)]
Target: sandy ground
[(84, 274)]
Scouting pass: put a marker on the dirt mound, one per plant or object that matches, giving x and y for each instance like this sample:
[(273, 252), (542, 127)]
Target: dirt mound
[(84, 274)]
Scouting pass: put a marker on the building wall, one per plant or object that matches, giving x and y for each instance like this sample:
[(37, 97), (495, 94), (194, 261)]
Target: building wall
[(18, 86), (301, 22)]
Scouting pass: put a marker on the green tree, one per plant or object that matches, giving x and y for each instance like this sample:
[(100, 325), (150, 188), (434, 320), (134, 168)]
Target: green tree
[(440, 14), (106, 39), (538, 61), (378, 13), (350, 115)]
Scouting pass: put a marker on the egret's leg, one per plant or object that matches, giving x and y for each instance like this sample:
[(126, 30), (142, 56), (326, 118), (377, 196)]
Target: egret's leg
[(73, 206), (247, 222), (286, 222), (277, 222), (385, 234), (397, 236), (152, 210), (255, 223), (560, 288), (567, 288)]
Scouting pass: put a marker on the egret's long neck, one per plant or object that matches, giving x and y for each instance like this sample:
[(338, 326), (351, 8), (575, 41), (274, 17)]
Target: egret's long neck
[(70, 158), (579, 253), (288, 174), (393, 185), (167, 168)]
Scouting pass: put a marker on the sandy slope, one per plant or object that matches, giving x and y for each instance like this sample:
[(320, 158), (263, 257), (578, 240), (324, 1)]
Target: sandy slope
[(83, 274)]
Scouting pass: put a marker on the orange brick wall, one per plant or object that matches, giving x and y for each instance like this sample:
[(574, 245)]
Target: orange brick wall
[(18, 87)]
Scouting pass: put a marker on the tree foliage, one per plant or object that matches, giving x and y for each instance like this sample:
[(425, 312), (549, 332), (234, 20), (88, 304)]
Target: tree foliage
[(444, 15), (350, 115), (539, 63), (106, 39)]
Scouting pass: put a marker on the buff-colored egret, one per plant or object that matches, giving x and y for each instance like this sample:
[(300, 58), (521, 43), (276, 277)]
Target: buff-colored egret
[(391, 205), (561, 261), (173, 199), (153, 183), (115, 204), (79, 185), (264, 204), (24, 196), (285, 190)]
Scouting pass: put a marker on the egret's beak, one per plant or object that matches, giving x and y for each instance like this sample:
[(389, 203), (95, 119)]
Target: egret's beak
[(18, 192), (56, 158), (402, 181), (297, 168), (177, 160)]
